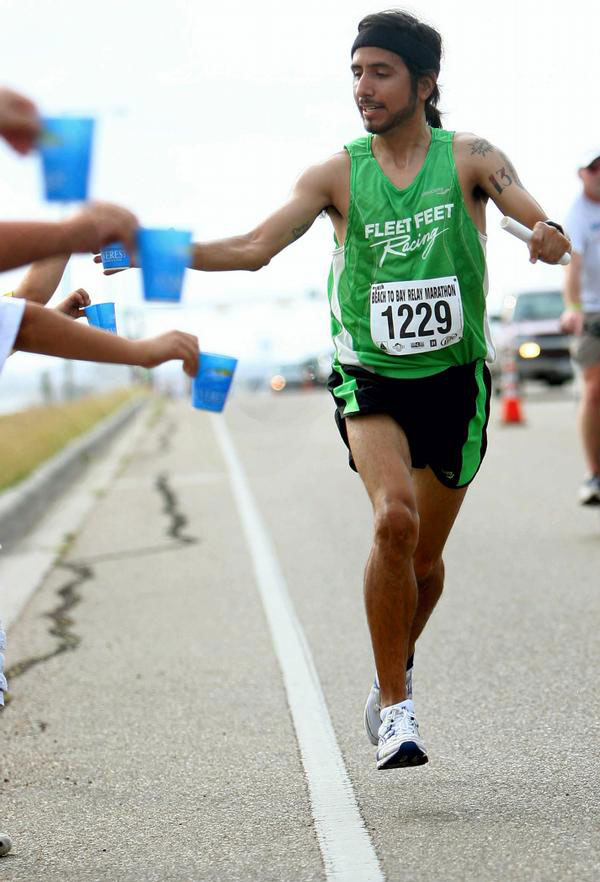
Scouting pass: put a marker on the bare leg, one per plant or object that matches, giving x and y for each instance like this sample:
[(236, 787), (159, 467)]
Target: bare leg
[(429, 591), (438, 508), (589, 418), (390, 602), (381, 454), (413, 515)]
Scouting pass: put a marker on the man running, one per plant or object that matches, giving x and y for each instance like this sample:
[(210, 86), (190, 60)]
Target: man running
[(582, 314), (407, 293)]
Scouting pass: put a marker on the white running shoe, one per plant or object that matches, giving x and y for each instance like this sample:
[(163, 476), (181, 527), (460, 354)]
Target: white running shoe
[(589, 492), (372, 718), (400, 744)]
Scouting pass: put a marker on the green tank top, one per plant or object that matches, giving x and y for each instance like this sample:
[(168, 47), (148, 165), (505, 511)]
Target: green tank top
[(407, 288)]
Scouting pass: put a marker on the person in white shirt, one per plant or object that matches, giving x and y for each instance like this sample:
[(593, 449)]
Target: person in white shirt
[(582, 313)]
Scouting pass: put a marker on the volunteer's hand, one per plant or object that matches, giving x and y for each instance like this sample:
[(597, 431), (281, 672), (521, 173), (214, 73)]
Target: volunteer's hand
[(99, 224), (169, 346), (74, 304), (19, 121)]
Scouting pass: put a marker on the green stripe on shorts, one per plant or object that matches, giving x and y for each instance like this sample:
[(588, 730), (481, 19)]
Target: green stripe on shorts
[(471, 452), (346, 390)]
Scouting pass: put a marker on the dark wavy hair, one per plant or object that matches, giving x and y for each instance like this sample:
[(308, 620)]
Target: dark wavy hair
[(421, 33)]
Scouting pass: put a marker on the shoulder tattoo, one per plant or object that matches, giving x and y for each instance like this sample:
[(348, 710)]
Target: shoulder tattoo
[(480, 146)]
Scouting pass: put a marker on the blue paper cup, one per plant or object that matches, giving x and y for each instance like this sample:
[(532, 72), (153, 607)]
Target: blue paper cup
[(115, 257), (212, 382), (164, 256), (102, 315), (66, 147)]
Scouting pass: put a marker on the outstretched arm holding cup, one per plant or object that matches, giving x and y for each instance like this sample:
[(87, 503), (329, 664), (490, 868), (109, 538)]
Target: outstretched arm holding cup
[(97, 224), (49, 333)]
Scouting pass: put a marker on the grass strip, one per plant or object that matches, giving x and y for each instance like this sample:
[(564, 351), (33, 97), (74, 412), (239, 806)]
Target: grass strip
[(30, 437)]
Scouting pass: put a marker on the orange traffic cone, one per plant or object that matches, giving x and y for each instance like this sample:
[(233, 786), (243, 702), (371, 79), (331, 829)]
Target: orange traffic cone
[(511, 401)]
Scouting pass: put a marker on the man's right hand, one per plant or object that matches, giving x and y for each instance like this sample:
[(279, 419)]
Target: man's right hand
[(19, 121), (99, 224), (167, 347), (571, 321)]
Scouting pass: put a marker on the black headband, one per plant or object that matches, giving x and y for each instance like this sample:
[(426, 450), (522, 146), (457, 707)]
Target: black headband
[(417, 55)]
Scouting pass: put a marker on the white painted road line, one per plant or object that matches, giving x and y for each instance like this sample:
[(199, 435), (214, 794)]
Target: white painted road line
[(348, 853)]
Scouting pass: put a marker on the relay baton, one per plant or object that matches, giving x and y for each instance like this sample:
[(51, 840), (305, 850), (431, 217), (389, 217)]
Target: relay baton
[(524, 234)]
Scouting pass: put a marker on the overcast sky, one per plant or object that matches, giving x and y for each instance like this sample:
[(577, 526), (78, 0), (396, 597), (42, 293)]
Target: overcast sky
[(208, 112)]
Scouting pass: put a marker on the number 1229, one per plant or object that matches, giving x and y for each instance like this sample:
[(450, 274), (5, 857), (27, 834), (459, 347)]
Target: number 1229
[(440, 314)]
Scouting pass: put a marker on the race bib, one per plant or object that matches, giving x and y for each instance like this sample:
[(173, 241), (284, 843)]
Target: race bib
[(412, 317)]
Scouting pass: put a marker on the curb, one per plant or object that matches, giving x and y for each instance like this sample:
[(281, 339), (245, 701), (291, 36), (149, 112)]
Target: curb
[(24, 568), (22, 506)]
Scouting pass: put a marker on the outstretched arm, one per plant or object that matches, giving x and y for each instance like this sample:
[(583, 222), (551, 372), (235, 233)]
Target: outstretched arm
[(492, 172), (48, 332), (42, 279), (97, 224), (311, 194)]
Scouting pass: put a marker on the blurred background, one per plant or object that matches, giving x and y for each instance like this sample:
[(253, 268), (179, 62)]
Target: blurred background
[(207, 114)]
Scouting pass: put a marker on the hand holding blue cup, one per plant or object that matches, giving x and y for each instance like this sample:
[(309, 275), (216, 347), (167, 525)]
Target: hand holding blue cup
[(115, 257), (66, 148), (164, 256), (102, 315), (212, 382)]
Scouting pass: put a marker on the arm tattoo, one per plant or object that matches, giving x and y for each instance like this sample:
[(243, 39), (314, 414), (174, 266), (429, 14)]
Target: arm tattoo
[(505, 176), (500, 180), (511, 169), (300, 231), (481, 146)]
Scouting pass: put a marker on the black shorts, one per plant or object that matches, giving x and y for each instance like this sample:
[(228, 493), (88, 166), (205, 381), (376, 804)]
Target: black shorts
[(444, 416)]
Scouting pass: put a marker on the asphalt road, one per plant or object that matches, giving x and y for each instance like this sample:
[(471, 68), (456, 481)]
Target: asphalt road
[(149, 735)]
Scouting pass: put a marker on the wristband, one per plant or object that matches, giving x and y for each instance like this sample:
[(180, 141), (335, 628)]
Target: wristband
[(556, 226), (574, 307)]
